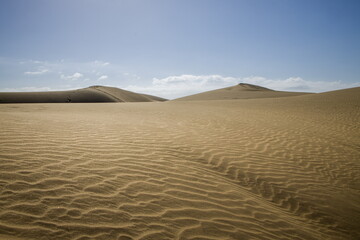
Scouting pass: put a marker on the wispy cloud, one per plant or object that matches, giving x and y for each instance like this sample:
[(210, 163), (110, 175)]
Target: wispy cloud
[(103, 77), (36, 62), (39, 72), (17, 73), (298, 84), (182, 85), (101, 63), (26, 89), (73, 77)]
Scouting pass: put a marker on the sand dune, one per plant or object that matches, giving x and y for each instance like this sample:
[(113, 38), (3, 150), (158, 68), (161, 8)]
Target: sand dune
[(240, 91), (275, 168), (90, 94)]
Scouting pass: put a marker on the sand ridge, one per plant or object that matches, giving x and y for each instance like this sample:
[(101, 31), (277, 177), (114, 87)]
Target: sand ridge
[(240, 91), (276, 168), (90, 94)]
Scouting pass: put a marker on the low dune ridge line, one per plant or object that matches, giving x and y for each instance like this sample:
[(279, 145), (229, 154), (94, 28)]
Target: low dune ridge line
[(230, 169), (240, 91), (90, 94), (111, 94)]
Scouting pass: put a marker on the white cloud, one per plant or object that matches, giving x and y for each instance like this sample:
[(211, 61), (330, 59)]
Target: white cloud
[(42, 71), (103, 77), (39, 89), (73, 77), (182, 85), (298, 84), (177, 86), (194, 80), (32, 62)]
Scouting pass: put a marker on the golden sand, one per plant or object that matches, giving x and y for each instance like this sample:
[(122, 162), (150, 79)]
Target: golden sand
[(275, 168)]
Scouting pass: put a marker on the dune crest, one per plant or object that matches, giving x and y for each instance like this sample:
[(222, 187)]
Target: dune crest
[(240, 91), (90, 94)]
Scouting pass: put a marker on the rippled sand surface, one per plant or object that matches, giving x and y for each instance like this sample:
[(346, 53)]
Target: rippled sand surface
[(279, 168)]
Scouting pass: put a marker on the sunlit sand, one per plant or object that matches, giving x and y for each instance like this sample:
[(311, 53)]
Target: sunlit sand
[(279, 167)]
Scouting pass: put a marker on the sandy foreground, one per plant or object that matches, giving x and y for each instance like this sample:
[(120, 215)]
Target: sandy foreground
[(275, 168)]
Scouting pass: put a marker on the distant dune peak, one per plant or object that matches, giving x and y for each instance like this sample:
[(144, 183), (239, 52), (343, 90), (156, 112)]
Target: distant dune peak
[(95, 86), (240, 91), (252, 87)]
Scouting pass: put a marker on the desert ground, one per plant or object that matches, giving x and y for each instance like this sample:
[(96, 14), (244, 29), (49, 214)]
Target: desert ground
[(280, 167)]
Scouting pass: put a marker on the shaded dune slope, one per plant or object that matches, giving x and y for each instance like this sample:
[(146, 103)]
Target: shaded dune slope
[(266, 169), (240, 91), (90, 94)]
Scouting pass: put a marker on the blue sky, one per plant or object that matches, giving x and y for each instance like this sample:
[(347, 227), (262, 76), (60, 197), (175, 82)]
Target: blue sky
[(174, 48)]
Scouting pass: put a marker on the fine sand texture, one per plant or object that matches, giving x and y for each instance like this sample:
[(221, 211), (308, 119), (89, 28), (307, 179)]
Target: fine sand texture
[(274, 168), (90, 94), (240, 91)]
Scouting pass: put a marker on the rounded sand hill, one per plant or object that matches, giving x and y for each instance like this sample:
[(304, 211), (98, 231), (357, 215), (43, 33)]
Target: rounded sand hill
[(240, 91), (90, 94)]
